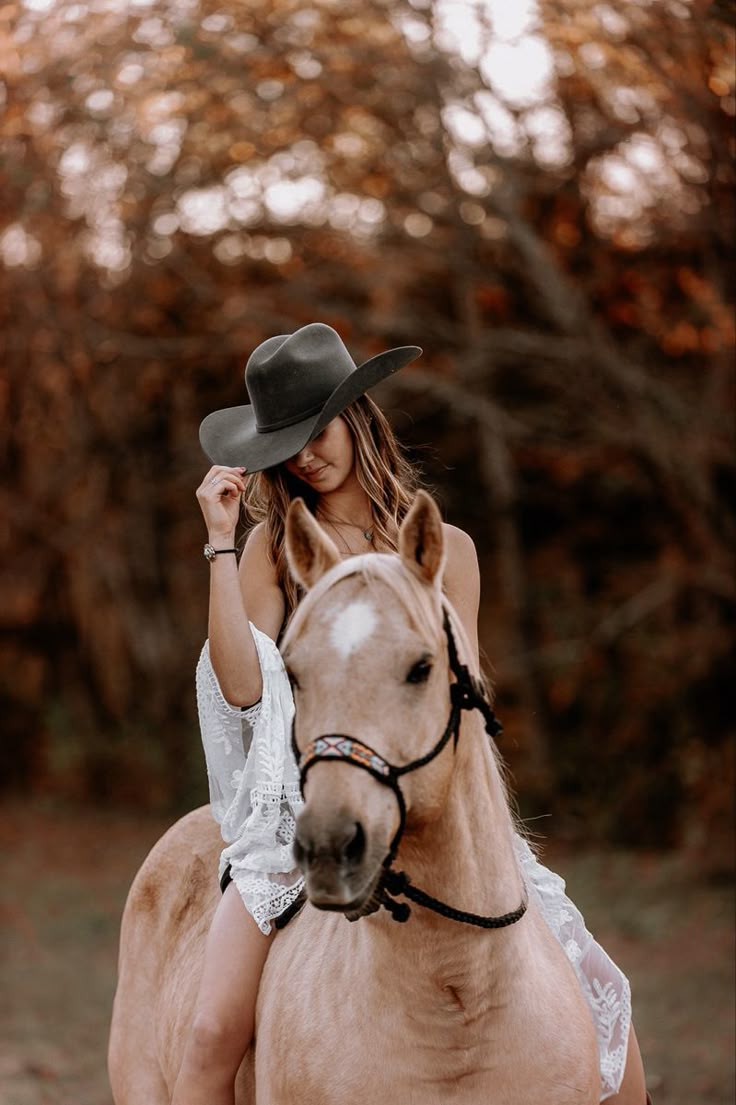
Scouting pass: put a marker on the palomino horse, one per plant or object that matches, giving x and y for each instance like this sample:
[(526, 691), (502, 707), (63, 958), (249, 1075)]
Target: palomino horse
[(453, 1006)]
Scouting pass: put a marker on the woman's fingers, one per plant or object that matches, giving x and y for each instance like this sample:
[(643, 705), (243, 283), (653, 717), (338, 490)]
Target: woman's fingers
[(218, 471), (219, 497), (219, 480), (224, 485)]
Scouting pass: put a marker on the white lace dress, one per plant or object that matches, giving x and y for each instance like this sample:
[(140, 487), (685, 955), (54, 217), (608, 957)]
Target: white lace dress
[(254, 791)]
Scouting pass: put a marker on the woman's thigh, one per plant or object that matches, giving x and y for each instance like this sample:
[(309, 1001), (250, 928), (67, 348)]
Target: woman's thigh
[(233, 963)]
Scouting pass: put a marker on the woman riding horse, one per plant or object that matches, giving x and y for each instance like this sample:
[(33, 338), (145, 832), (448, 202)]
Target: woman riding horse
[(310, 431)]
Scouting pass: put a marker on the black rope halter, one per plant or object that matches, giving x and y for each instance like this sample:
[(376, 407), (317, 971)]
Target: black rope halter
[(466, 693)]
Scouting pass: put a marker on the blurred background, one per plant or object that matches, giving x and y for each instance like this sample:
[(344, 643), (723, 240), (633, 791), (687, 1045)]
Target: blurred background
[(538, 192)]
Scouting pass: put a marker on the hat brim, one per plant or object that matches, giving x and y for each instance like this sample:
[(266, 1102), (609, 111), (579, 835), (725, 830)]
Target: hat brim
[(230, 436)]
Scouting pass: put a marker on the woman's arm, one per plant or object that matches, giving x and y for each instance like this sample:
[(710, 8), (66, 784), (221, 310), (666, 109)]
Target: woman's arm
[(462, 581), (237, 594), (262, 595)]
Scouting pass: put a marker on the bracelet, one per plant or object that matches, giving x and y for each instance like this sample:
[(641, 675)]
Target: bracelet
[(210, 552)]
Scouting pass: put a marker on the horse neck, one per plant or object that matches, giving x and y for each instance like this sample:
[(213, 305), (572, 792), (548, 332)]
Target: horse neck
[(466, 856)]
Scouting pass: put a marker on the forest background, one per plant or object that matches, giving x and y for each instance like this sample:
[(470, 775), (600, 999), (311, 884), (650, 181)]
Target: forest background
[(538, 193)]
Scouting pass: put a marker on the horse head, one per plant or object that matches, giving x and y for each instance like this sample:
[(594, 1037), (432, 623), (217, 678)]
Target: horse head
[(367, 656)]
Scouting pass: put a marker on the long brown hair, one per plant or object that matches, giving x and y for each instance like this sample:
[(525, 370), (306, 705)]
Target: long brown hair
[(388, 478)]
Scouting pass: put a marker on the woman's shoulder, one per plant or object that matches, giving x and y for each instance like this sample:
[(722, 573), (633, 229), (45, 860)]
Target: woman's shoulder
[(461, 560), (459, 544), (256, 535), (264, 600), (256, 556), (461, 581)]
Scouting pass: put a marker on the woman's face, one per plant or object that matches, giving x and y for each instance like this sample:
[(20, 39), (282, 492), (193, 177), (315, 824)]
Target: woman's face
[(327, 462)]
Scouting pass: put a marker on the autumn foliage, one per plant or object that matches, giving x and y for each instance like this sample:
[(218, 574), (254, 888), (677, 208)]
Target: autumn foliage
[(545, 206)]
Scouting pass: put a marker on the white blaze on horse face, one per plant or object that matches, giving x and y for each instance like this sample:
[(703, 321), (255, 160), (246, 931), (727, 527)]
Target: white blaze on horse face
[(352, 627)]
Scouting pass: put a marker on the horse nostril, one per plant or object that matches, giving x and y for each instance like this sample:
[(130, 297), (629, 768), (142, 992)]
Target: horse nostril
[(327, 845), (355, 847)]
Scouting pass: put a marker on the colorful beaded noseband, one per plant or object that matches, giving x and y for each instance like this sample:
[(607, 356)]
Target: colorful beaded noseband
[(344, 748)]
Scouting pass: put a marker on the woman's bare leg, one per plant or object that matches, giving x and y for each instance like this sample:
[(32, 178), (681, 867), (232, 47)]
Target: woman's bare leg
[(633, 1087), (224, 1015)]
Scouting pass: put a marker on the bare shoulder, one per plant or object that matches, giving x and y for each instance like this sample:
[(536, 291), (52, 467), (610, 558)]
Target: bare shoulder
[(262, 596), (462, 581), (256, 558), (461, 552), (257, 536), (462, 574)]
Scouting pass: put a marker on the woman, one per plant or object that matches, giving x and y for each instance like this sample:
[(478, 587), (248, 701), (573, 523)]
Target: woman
[(311, 431)]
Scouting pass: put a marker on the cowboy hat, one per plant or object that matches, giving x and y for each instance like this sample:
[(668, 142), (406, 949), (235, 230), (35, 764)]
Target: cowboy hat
[(297, 383)]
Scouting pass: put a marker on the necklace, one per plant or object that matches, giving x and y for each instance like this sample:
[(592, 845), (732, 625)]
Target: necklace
[(332, 518)]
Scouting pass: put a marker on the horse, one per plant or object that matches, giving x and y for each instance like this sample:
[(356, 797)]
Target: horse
[(459, 995)]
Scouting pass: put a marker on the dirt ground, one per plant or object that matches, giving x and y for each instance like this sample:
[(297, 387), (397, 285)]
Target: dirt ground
[(65, 874)]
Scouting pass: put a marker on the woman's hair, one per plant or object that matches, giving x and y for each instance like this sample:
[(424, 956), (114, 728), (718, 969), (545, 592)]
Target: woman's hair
[(385, 474)]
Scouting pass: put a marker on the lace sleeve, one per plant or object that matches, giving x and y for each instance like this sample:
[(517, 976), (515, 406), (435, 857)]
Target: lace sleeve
[(226, 736), (605, 988), (254, 783)]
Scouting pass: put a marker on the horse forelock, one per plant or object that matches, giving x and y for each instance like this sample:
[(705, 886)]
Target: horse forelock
[(420, 603)]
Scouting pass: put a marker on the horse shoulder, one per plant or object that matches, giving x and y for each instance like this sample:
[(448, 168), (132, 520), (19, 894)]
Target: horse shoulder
[(549, 998)]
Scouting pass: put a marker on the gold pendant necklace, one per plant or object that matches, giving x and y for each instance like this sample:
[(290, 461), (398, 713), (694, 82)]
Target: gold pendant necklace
[(332, 518)]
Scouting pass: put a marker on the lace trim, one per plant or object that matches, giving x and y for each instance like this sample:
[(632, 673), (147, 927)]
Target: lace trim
[(250, 713), (605, 988), (268, 903)]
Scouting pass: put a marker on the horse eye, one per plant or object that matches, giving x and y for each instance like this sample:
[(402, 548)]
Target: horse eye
[(419, 673)]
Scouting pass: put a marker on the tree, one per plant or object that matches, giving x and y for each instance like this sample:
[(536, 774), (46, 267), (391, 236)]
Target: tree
[(182, 181)]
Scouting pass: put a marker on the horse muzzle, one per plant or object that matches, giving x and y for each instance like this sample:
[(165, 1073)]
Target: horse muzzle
[(340, 871)]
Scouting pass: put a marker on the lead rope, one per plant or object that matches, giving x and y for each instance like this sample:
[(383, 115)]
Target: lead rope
[(397, 883)]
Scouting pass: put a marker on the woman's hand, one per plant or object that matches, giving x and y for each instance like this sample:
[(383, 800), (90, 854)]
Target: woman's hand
[(219, 499)]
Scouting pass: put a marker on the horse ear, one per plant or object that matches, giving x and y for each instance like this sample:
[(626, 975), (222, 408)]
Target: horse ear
[(421, 540), (309, 551)]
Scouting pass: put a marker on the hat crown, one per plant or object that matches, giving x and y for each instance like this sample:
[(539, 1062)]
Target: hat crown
[(290, 377)]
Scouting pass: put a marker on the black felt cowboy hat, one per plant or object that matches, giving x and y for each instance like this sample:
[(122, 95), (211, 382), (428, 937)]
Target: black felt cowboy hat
[(297, 383)]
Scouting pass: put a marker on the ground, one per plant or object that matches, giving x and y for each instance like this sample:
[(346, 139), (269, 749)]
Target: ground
[(65, 875)]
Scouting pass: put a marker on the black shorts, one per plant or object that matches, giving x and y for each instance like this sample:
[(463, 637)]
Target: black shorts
[(283, 919)]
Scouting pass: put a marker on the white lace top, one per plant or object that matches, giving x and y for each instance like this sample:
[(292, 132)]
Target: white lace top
[(254, 783), (255, 797)]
